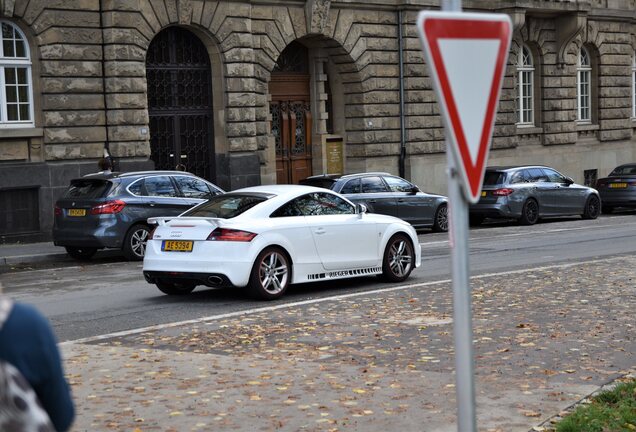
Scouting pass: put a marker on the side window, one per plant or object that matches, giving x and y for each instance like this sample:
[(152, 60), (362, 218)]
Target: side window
[(315, 204), (192, 187), (398, 185), (136, 187), (537, 175), (351, 187), (289, 209), (159, 186), (373, 185), (553, 176), (520, 177), (332, 204)]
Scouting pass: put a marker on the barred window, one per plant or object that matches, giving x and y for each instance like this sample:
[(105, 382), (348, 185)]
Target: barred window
[(525, 90), (584, 79), (16, 94)]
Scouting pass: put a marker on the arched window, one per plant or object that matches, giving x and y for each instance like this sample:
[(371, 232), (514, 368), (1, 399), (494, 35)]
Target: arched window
[(16, 94), (525, 91), (634, 85), (584, 80)]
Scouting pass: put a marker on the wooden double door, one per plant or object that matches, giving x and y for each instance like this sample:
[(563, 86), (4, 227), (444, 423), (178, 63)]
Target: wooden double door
[(291, 126)]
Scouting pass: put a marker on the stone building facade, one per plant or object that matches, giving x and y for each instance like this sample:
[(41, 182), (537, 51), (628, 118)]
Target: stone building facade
[(255, 92)]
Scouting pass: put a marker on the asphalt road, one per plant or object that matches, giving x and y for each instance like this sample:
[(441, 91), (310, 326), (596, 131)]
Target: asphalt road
[(110, 295)]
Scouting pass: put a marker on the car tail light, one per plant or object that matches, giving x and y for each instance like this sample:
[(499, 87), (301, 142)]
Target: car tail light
[(58, 211), (109, 207), (224, 234), (502, 192)]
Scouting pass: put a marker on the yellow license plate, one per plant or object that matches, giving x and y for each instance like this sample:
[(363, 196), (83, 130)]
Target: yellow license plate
[(77, 212), (617, 185), (483, 193), (176, 246)]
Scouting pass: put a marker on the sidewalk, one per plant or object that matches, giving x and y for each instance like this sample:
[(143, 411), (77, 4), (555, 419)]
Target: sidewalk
[(30, 253), (369, 362)]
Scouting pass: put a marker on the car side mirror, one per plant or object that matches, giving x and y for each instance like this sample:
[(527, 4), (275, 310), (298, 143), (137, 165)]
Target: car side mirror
[(415, 190), (361, 209), (568, 181)]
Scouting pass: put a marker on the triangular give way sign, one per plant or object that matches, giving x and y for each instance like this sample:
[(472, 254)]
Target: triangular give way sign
[(467, 55)]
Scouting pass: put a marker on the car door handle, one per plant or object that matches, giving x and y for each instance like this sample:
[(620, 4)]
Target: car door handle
[(152, 203), (320, 231)]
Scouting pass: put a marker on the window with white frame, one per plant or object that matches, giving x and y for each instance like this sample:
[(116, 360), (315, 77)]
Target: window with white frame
[(634, 85), (16, 94), (525, 91), (584, 80)]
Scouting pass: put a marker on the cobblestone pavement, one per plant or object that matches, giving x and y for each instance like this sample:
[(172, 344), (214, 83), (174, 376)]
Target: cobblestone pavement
[(378, 361)]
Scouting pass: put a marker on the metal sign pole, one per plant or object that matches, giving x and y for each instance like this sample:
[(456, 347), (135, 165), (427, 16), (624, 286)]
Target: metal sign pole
[(462, 314)]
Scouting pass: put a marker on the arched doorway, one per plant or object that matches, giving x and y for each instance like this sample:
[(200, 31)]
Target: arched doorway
[(180, 102), (291, 114)]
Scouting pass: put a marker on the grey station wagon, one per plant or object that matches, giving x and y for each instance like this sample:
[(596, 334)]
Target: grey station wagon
[(110, 210), (527, 193)]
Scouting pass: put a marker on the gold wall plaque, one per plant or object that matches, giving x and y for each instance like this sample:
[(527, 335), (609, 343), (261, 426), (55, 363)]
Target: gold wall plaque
[(335, 157)]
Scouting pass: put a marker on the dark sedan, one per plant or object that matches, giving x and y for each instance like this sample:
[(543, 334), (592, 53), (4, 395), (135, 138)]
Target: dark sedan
[(110, 210), (618, 189), (527, 193), (388, 194)]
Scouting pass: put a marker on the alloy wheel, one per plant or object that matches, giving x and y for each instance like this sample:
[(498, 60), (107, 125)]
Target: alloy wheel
[(138, 242), (273, 272), (441, 219), (400, 258)]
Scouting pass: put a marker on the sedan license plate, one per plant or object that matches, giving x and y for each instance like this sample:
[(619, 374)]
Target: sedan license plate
[(176, 246), (77, 212), (617, 185)]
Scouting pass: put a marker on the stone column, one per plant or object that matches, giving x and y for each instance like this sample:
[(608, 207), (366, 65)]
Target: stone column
[(125, 32)]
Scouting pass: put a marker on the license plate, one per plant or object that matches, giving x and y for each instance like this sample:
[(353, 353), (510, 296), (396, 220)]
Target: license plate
[(483, 193), (617, 185), (176, 246), (77, 212)]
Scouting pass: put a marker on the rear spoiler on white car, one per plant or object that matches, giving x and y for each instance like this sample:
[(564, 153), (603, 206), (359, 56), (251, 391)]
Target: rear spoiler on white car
[(163, 220)]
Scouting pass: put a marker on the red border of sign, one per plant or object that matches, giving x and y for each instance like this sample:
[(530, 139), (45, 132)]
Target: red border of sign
[(468, 27)]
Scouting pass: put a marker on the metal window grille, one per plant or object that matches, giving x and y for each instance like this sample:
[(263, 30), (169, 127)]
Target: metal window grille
[(590, 177), (19, 211)]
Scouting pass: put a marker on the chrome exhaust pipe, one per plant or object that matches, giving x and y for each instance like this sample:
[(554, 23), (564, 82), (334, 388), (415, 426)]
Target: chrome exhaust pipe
[(215, 280)]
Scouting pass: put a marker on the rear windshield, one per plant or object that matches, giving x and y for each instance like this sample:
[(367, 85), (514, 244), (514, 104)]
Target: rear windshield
[(624, 170), (226, 206), (87, 189), (325, 183), (492, 178)]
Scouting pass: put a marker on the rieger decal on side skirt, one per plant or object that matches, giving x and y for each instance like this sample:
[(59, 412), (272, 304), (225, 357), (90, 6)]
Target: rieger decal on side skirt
[(345, 273)]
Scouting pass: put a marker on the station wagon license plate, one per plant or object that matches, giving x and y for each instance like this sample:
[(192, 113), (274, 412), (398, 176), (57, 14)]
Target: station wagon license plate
[(77, 212), (617, 185), (177, 246)]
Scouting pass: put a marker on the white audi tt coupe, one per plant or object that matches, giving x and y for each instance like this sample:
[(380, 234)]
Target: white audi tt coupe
[(268, 237)]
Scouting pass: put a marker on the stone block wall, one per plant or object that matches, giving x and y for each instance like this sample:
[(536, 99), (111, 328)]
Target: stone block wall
[(90, 84)]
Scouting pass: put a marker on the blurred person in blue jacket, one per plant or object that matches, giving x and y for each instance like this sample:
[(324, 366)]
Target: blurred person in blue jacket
[(27, 343)]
